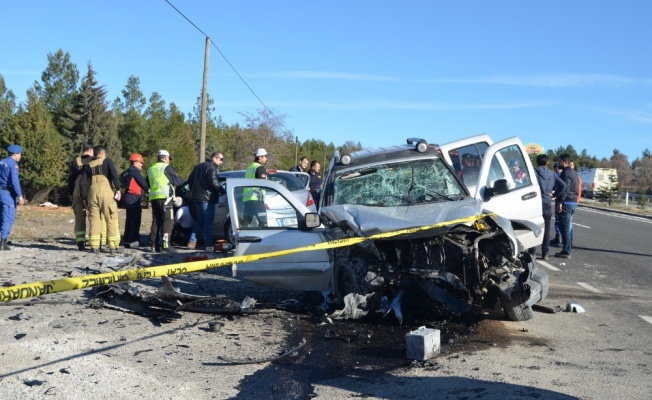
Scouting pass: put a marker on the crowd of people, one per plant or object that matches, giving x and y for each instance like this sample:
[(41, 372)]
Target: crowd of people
[(97, 191)]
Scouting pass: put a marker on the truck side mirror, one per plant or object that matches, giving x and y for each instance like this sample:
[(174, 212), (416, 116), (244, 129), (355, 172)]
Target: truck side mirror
[(312, 220)]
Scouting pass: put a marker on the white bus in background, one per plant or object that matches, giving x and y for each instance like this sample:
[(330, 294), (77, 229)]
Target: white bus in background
[(595, 178)]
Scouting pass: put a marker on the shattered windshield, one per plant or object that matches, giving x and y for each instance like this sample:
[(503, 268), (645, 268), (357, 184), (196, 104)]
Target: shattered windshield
[(401, 183)]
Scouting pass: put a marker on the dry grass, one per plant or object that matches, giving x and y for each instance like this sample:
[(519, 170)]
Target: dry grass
[(47, 223)]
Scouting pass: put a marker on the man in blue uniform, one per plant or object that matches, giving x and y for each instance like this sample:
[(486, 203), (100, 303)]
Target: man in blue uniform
[(10, 192)]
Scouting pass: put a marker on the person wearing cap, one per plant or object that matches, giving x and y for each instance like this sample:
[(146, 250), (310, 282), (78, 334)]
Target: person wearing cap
[(99, 188), (78, 207), (163, 181), (254, 198), (205, 190), (519, 176), (134, 184), (10, 192)]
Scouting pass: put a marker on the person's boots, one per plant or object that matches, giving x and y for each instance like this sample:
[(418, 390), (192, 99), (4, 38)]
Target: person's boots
[(3, 245), (80, 246)]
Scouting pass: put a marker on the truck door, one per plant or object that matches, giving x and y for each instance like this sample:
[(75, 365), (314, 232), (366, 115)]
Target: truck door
[(508, 186)]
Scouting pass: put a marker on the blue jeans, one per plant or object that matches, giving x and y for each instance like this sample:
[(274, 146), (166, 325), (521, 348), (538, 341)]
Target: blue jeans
[(566, 225), (205, 218), (7, 213)]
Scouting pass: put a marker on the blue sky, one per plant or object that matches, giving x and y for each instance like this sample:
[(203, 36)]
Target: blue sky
[(553, 73)]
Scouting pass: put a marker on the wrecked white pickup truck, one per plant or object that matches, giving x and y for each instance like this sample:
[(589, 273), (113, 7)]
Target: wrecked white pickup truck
[(397, 224)]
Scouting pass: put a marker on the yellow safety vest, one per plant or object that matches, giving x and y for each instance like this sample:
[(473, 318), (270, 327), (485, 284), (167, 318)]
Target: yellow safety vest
[(159, 182), (248, 193)]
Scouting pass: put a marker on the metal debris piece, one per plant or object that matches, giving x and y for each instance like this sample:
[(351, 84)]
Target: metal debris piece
[(16, 317), (215, 326), (116, 261), (19, 336), (33, 382), (574, 307), (355, 307), (550, 310), (211, 305), (168, 292)]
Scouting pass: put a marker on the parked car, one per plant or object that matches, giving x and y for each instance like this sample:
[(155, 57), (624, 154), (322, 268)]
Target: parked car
[(397, 224), (278, 213)]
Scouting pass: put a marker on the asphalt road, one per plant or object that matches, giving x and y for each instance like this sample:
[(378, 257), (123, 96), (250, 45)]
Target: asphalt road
[(603, 353)]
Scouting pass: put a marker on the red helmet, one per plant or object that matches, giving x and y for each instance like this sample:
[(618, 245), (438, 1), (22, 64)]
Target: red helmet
[(136, 157)]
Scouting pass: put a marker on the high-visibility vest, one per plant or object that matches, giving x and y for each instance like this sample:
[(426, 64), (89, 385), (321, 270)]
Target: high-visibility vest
[(158, 182), (248, 193)]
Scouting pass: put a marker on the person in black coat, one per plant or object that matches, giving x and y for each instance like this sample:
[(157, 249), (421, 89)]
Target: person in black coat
[(205, 190)]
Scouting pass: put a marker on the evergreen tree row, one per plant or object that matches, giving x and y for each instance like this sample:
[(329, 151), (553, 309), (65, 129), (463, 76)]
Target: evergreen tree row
[(62, 112)]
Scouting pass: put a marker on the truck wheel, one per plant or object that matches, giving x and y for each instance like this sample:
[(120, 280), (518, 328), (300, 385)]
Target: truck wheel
[(350, 278), (521, 312)]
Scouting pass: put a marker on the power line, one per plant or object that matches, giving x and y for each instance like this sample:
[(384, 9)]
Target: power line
[(229, 63)]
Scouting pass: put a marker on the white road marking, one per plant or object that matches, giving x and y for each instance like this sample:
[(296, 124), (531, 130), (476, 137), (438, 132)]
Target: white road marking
[(549, 266), (589, 287), (646, 318), (616, 215), (583, 226)]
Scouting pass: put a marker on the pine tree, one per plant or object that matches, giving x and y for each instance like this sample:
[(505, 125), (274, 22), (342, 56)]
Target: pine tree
[(132, 128), (59, 90), (44, 163), (7, 117), (93, 122), (609, 191)]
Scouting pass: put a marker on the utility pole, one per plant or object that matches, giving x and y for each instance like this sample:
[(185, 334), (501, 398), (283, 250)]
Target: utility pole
[(296, 150), (204, 100)]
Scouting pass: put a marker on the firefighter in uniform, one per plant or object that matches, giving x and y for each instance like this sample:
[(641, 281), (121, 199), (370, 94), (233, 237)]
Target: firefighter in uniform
[(163, 181), (95, 188), (73, 189), (254, 198)]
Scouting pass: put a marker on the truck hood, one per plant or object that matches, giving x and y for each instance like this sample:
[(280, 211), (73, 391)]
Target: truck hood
[(368, 221)]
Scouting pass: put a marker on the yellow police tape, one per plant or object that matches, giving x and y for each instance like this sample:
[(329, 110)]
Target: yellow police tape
[(82, 282)]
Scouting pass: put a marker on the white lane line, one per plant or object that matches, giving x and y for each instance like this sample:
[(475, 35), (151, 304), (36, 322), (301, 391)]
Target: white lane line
[(583, 226), (616, 215), (646, 318), (589, 287), (549, 266)]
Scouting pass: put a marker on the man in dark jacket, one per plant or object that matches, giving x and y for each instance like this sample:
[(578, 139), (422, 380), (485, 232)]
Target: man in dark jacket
[(566, 203), (135, 186), (548, 181), (301, 167), (205, 190)]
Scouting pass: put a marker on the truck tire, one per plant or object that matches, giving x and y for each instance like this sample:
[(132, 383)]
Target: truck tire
[(350, 278), (521, 312)]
